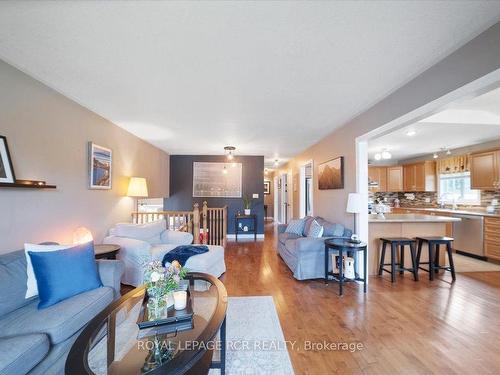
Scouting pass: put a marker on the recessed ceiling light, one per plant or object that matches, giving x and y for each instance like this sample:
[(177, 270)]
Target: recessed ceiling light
[(378, 156), (386, 155), (435, 155), (411, 133)]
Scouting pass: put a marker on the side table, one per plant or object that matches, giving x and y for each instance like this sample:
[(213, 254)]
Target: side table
[(253, 229), (106, 251), (344, 247)]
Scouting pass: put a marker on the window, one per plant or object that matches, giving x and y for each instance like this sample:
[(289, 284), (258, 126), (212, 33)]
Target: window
[(455, 187)]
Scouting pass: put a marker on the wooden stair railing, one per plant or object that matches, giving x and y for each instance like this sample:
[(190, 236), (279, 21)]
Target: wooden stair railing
[(208, 225)]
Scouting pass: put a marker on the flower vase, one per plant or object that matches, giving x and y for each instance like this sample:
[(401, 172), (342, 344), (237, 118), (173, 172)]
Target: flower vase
[(169, 300)]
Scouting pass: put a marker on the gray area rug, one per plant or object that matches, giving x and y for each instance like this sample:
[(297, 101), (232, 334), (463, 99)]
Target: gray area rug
[(255, 341), (256, 344)]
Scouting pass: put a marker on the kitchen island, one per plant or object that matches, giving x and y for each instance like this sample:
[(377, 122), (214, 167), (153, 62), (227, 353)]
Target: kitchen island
[(403, 225)]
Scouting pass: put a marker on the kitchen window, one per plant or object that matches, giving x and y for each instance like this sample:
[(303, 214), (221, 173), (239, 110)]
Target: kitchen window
[(455, 188)]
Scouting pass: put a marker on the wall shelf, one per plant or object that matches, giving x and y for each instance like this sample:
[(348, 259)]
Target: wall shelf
[(26, 186)]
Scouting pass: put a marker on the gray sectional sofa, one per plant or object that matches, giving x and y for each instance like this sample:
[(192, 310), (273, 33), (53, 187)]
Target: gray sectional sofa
[(305, 256), (37, 341)]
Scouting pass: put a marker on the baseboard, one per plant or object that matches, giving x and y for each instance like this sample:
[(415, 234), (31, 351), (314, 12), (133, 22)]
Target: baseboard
[(245, 235)]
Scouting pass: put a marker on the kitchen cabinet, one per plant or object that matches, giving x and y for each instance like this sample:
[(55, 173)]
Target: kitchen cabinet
[(395, 178), (485, 170), (420, 176), (409, 177), (492, 237), (377, 178)]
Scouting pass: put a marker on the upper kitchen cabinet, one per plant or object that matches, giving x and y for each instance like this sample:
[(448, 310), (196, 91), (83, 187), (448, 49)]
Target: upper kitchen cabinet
[(484, 170), (420, 176), (377, 178), (395, 178)]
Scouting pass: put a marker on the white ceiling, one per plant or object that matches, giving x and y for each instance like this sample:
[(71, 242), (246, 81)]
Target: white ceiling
[(270, 78), (465, 123)]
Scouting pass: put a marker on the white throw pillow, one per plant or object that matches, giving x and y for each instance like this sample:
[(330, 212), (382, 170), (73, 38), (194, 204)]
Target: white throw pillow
[(315, 230), (31, 286), (149, 232), (295, 226)]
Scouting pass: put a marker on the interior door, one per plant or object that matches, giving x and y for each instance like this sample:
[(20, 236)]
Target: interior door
[(276, 203), (284, 198), (279, 203), (308, 190)]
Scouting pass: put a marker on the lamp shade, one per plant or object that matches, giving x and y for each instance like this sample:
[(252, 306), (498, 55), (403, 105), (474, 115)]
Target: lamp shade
[(82, 235), (354, 203), (137, 187)]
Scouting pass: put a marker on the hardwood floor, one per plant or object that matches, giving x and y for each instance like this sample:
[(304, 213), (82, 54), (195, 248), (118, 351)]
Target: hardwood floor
[(406, 328)]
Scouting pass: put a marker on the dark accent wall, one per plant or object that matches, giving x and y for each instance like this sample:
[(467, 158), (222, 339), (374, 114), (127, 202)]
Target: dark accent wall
[(181, 186)]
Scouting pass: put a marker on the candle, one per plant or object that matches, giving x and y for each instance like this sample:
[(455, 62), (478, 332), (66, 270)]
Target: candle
[(180, 299)]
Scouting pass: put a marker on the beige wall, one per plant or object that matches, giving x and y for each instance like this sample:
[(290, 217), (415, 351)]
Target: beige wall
[(47, 135), (479, 57)]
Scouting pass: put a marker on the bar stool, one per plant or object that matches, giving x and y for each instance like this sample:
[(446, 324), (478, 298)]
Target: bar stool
[(434, 245), (398, 266)]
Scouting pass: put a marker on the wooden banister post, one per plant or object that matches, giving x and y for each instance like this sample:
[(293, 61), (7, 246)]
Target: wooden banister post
[(205, 226), (196, 224), (224, 226), (189, 222)]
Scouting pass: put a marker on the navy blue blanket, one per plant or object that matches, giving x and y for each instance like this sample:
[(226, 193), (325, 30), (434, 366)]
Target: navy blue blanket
[(183, 253)]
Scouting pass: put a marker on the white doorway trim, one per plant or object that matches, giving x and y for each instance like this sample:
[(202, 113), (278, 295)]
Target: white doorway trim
[(276, 199), (302, 188)]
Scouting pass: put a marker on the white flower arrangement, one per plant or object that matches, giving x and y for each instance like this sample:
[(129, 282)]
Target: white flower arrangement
[(161, 280)]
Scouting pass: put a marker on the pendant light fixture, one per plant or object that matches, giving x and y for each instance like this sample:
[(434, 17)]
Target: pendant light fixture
[(229, 151)]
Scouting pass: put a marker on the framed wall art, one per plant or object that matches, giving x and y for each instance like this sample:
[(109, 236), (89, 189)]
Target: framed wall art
[(267, 187), (331, 174), (217, 180), (7, 175), (100, 167)]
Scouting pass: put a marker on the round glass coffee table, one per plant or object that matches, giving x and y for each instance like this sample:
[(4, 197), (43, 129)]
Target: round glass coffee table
[(113, 344)]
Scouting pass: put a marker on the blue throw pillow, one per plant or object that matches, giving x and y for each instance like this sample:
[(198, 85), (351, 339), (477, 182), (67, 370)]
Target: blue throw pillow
[(315, 230), (295, 226), (64, 273)]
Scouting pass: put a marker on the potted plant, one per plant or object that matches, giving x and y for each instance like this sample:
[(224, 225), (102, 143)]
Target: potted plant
[(247, 204)]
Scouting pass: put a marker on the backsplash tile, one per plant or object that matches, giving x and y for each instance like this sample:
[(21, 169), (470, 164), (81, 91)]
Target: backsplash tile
[(488, 196), (420, 198), (419, 201)]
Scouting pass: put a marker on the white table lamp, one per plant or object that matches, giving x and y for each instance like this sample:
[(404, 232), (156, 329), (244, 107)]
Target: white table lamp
[(137, 188), (354, 206)]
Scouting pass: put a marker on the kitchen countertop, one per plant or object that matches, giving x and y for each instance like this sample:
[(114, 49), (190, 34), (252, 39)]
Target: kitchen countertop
[(472, 211), (411, 218)]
